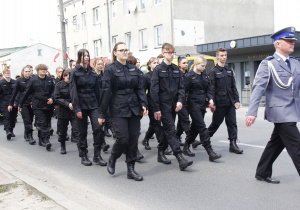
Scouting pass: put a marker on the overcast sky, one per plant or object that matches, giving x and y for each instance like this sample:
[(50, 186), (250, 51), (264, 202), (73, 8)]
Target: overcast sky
[(26, 22)]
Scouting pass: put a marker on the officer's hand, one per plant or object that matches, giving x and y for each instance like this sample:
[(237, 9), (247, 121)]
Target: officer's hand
[(145, 111), (178, 106), (79, 115), (157, 115), (101, 121), (237, 105), (211, 102), (71, 106), (250, 120), (19, 109), (50, 101), (9, 108)]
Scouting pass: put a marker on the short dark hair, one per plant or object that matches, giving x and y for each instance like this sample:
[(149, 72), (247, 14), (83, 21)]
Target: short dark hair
[(131, 59), (80, 54), (167, 46), (220, 49)]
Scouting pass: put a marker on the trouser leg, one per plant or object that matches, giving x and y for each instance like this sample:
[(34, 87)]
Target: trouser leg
[(82, 127), (230, 120), (217, 119)]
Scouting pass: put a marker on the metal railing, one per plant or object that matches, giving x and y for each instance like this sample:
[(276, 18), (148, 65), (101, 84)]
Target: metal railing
[(250, 88)]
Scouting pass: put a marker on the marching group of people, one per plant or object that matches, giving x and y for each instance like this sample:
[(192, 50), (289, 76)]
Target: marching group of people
[(117, 95)]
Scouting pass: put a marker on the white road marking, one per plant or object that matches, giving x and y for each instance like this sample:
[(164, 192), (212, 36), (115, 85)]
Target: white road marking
[(249, 145)]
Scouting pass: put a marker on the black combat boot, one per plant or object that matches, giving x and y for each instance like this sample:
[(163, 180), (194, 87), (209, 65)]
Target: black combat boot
[(48, 144), (31, 140), (195, 144), (139, 156), (111, 166), (168, 151), (234, 148), (12, 134), (51, 131), (97, 157), (105, 146), (161, 158), (42, 142), (131, 174), (145, 142), (186, 150), (84, 158), (211, 153), (8, 135), (183, 163), (26, 137), (63, 147)]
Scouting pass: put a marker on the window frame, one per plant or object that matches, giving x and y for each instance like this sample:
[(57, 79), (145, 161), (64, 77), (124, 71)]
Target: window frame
[(75, 26), (96, 14), (83, 20), (97, 53), (156, 28), (142, 34), (128, 42)]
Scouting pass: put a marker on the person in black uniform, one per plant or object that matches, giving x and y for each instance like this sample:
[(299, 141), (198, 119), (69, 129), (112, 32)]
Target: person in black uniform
[(167, 94), (65, 112), (27, 112), (85, 94), (9, 117), (124, 93), (226, 99), (1, 116), (197, 89), (42, 88)]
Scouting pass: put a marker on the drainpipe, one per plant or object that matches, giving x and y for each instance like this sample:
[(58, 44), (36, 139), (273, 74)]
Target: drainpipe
[(108, 26)]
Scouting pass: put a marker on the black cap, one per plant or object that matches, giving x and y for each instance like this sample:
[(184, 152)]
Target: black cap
[(286, 33)]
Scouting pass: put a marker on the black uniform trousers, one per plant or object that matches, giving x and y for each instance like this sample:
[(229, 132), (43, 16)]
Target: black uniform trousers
[(285, 135), (43, 120), (227, 112), (98, 133), (183, 124), (27, 116), (9, 118), (62, 128), (198, 127), (168, 121), (154, 126), (127, 134)]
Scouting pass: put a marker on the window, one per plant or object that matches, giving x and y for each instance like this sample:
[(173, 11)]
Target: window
[(85, 45), (75, 50), (126, 7), (97, 48), (83, 17), (157, 1), (114, 40), (75, 25), (66, 25), (39, 51), (142, 4), (83, 2), (158, 36), (114, 9), (96, 15), (128, 40), (143, 39), (246, 67)]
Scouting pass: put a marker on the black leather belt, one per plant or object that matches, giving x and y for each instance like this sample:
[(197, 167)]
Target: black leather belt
[(123, 92)]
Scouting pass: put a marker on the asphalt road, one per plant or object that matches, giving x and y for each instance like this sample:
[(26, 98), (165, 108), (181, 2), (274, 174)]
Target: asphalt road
[(228, 183)]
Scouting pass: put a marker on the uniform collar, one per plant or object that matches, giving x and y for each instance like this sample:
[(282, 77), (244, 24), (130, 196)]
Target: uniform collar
[(120, 65), (220, 67)]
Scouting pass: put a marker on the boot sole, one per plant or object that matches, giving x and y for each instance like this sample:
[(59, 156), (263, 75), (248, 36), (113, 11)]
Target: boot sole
[(190, 155), (234, 151), (164, 162), (135, 179), (100, 164), (86, 164), (213, 159), (110, 172), (32, 143), (48, 147), (182, 168)]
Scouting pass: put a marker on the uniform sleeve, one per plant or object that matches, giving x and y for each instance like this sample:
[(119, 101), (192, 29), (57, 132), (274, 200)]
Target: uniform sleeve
[(57, 97), (208, 91), (14, 93), (181, 92), (141, 91), (73, 92), (212, 78), (234, 90), (260, 84), (187, 84), (154, 90), (107, 83), (27, 92)]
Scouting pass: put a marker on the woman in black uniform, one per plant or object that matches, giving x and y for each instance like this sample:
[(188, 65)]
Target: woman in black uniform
[(42, 89), (85, 97), (197, 90), (65, 112), (123, 91), (27, 112)]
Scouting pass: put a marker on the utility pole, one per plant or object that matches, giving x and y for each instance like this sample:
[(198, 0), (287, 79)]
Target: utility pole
[(63, 34)]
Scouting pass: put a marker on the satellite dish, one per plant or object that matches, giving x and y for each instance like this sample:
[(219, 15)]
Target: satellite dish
[(132, 6)]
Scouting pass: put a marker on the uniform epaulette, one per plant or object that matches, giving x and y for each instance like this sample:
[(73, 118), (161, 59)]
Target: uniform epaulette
[(269, 58), (294, 58)]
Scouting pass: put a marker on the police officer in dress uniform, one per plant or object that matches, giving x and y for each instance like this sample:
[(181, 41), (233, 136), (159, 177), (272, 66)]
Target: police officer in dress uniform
[(27, 112), (9, 117), (279, 77), (167, 93), (226, 99), (123, 91), (41, 88)]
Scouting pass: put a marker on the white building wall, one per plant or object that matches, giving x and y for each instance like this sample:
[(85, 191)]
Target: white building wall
[(29, 56)]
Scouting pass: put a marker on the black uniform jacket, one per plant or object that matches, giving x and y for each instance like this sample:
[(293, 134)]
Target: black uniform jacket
[(84, 88), (223, 86), (123, 90), (166, 87), (147, 84), (6, 89), (197, 89), (63, 99), (40, 91), (19, 91)]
